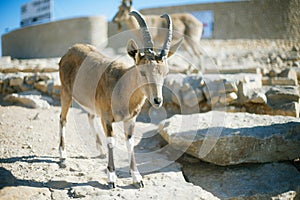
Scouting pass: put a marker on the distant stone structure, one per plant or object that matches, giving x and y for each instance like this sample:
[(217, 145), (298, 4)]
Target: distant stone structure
[(253, 19), (53, 39)]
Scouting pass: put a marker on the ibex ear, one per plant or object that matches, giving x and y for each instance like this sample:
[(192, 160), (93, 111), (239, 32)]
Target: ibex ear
[(132, 49), (174, 47)]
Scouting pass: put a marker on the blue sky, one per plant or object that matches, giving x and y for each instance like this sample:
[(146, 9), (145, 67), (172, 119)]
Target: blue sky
[(10, 9)]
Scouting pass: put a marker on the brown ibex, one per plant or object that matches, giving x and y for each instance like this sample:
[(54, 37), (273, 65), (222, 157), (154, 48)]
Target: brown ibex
[(113, 90), (184, 24)]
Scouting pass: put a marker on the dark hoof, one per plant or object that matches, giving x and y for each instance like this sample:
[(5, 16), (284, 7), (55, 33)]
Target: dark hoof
[(139, 184), (102, 156), (111, 185), (62, 163)]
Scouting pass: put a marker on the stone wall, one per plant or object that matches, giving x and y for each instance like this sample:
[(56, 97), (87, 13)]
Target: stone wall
[(26, 80), (250, 76), (53, 39), (254, 19)]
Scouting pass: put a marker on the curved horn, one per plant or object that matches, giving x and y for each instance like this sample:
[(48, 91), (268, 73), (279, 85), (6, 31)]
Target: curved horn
[(166, 47), (147, 39)]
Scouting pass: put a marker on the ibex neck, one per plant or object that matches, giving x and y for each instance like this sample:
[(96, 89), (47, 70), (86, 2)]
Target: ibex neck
[(127, 97), (136, 80), (131, 78)]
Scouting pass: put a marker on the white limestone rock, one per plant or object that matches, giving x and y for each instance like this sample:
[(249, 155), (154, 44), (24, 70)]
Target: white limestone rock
[(243, 182), (233, 138), (31, 99)]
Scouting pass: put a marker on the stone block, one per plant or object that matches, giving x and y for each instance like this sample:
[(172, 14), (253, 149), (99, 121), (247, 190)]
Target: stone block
[(230, 81), (25, 87), (287, 109), (279, 81), (293, 56), (5, 60), (56, 90), (258, 98), (31, 99), (9, 68), (280, 95), (235, 70), (229, 97), (30, 79), (43, 77), (252, 82), (190, 98), (16, 81), (288, 73), (41, 86), (183, 89), (276, 181), (230, 86), (297, 70), (234, 138)]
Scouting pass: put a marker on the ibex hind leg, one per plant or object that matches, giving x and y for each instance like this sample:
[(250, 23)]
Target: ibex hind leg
[(66, 101), (99, 145)]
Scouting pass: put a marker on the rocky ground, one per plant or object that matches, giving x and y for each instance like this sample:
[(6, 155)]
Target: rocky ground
[(29, 162), (250, 156), (29, 167)]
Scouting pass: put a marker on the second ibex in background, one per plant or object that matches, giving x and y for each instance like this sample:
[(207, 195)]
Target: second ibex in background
[(184, 24), (113, 90)]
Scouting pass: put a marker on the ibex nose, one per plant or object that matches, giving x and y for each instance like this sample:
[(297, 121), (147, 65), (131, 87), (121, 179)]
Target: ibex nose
[(157, 101)]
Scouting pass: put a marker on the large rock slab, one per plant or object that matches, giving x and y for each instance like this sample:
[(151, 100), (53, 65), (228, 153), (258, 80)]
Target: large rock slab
[(234, 138), (281, 95), (30, 99), (252, 181)]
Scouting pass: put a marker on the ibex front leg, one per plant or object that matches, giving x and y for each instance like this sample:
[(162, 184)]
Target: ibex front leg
[(136, 176), (111, 174)]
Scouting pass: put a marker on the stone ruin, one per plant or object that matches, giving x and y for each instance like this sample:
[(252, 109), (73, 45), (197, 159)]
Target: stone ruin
[(32, 83), (266, 84)]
